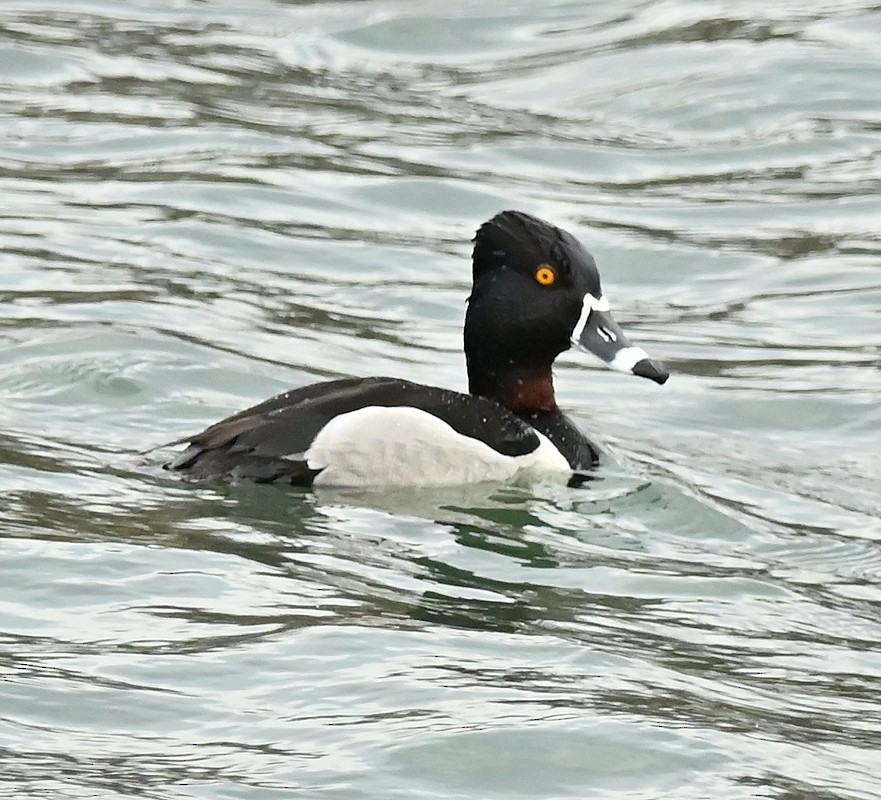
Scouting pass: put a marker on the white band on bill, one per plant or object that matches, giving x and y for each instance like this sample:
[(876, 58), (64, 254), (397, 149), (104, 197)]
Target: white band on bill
[(627, 358)]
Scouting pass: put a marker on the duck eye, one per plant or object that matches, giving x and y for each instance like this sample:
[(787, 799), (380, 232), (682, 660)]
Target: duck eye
[(545, 275)]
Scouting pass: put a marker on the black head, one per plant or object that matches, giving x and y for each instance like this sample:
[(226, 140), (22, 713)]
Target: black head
[(536, 291), (513, 240)]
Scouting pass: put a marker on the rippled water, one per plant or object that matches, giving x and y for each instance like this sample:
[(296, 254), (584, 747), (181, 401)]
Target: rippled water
[(207, 203)]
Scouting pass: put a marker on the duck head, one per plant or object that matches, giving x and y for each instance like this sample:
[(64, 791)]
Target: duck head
[(536, 292)]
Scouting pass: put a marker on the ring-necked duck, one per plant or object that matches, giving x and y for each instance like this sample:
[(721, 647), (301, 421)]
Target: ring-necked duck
[(536, 291)]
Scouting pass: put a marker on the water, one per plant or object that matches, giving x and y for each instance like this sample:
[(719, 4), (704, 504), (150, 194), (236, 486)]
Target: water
[(207, 203)]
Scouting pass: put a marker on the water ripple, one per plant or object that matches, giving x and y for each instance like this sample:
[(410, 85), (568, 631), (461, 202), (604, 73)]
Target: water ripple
[(207, 204)]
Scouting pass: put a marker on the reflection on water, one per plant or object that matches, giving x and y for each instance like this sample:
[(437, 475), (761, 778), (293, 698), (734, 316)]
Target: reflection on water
[(207, 205)]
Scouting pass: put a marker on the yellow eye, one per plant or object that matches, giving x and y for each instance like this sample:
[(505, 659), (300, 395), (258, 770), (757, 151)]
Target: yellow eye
[(545, 275)]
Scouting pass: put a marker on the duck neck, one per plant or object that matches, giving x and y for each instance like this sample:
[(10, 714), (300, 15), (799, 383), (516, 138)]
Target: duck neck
[(525, 392)]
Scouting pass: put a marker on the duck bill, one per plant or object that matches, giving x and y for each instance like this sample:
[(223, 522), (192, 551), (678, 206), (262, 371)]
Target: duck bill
[(598, 333)]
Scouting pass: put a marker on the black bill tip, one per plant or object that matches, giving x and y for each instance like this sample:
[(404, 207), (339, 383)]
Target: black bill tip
[(651, 369)]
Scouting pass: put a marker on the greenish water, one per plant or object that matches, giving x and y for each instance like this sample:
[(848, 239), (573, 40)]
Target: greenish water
[(208, 203)]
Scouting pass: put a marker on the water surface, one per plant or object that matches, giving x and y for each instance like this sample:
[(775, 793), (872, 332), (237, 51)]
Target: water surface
[(206, 203)]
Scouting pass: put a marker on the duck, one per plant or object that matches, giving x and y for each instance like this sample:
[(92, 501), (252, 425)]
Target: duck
[(535, 293)]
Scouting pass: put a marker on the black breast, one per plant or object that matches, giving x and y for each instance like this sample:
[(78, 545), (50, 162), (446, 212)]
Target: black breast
[(582, 454)]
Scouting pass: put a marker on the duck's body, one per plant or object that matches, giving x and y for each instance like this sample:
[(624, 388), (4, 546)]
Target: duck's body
[(536, 291), (362, 431)]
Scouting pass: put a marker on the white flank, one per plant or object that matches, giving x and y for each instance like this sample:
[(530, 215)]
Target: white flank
[(627, 358), (589, 304), (403, 446)]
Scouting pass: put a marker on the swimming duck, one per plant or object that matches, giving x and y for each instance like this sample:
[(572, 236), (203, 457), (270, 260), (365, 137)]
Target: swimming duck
[(536, 291)]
